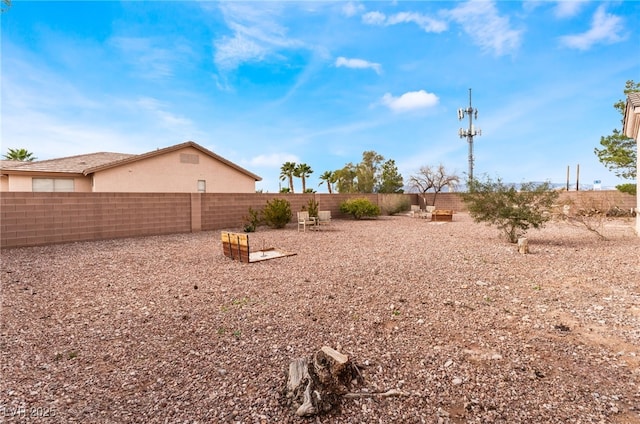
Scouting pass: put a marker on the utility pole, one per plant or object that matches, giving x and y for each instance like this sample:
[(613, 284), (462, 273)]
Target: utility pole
[(470, 132)]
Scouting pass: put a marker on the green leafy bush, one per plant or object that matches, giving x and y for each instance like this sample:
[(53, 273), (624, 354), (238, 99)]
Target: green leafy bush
[(312, 207), (277, 213), (628, 188), (359, 208), (252, 220), (511, 210)]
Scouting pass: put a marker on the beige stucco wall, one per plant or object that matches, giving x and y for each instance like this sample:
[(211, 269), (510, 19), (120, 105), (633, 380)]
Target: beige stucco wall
[(24, 182), (170, 173)]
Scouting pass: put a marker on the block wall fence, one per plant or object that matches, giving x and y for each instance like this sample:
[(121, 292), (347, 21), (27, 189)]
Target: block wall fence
[(32, 219)]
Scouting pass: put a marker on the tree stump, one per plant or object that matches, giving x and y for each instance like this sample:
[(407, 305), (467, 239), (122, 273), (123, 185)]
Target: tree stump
[(523, 245), (315, 385)]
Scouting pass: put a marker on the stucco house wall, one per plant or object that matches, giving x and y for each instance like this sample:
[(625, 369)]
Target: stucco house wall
[(182, 168), (173, 172), (17, 182)]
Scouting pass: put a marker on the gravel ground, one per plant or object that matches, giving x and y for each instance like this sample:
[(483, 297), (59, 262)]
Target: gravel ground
[(167, 329)]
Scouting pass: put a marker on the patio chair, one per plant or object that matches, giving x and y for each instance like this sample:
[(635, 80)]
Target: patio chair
[(304, 220), (324, 218), (415, 209)]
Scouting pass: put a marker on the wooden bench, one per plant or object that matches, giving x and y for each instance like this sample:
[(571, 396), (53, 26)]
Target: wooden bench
[(442, 215), (236, 246)]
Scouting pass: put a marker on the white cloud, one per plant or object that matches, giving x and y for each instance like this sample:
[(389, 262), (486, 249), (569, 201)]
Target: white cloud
[(273, 159), (256, 35), (351, 9), (374, 18), (427, 23), (567, 9), (410, 100), (233, 51), (151, 57), (605, 28), (487, 28), (158, 109), (358, 64)]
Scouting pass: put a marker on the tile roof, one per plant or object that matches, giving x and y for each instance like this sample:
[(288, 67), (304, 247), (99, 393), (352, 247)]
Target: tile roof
[(4, 163), (634, 98), (72, 164)]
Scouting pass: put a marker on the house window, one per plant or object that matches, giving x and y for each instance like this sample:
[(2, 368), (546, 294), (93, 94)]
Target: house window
[(52, 184), (202, 186)]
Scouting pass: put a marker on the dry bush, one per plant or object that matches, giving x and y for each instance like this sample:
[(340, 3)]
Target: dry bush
[(590, 213)]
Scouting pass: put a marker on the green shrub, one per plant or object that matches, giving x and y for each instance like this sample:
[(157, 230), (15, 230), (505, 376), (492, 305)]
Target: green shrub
[(511, 210), (359, 208), (628, 188), (277, 213), (252, 220), (312, 207)]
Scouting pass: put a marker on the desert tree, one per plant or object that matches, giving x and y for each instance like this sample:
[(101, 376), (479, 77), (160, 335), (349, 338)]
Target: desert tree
[(390, 179), (345, 179), (513, 210), (433, 179), (367, 171)]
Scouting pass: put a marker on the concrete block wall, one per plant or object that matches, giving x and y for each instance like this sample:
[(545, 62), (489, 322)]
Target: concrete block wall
[(227, 211), (603, 200), (448, 201), (29, 219)]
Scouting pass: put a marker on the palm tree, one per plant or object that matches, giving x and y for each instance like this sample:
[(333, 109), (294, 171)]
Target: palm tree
[(22, 155), (303, 171), (329, 178), (287, 171)]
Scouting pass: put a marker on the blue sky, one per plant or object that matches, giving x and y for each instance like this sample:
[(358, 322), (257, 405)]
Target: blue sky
[(321, 82)]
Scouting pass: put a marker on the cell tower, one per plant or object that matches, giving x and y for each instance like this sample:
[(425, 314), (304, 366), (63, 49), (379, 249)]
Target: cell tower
[(470, 132)]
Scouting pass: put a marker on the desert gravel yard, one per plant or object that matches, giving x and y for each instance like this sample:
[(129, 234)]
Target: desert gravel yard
[(467, 330)]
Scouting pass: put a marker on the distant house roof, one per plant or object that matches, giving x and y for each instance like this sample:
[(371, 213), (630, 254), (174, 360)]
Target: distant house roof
[(94, 162)]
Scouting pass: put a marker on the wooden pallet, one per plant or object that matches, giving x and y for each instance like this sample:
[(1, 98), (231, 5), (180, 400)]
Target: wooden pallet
[(236, 246), (442, 215)]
